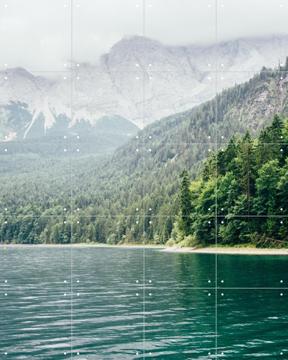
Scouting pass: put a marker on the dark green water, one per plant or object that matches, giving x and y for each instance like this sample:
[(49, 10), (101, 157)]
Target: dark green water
[(141, 304)]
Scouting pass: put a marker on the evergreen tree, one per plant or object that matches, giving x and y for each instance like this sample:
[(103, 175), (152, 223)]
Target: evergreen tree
[(185, 204)]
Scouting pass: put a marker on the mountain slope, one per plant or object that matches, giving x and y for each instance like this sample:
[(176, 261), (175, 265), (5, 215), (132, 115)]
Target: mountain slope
[(132, 196), (140, 79)]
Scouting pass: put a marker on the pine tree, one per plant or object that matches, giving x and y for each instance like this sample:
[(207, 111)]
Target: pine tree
[(185, 204), (246, 165)]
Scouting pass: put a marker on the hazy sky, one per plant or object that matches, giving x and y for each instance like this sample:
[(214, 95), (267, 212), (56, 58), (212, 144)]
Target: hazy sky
[(36, 34)]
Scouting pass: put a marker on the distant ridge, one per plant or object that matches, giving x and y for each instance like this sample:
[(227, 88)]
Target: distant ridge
[(139, 79)]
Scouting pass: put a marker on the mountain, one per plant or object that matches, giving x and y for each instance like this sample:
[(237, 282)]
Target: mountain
[(140, 79), (131, 196)]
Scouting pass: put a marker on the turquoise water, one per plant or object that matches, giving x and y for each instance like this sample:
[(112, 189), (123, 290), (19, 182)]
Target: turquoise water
[(97, 303)]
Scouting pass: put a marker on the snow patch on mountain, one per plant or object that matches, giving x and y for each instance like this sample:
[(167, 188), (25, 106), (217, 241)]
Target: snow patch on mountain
[(140, 79)]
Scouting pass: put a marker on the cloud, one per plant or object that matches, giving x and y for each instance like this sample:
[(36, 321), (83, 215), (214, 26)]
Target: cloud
[(36, 34)]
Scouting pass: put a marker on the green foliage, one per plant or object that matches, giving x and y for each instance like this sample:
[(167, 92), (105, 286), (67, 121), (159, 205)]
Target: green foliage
[(132, 196), (247, 196), (185, 205)]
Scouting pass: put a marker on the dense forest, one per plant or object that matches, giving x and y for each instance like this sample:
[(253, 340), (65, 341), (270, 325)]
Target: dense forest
[(241, 195), (77, 196)]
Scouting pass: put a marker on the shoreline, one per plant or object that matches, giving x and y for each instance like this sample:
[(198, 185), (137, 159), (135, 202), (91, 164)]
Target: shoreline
[(228, 251), (84, 245), (174, 249)]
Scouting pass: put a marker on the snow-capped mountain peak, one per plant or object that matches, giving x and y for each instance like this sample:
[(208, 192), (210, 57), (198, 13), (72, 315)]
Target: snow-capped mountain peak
[(139, 79)]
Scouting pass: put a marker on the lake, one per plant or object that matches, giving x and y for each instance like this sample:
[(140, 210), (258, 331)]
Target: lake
[(118, 303)]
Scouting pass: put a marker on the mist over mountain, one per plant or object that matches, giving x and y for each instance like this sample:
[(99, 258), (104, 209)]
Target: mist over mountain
[(140, 80)]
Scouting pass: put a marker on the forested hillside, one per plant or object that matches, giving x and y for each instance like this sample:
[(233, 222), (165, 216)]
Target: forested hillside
[(241, 195), (132, 196)]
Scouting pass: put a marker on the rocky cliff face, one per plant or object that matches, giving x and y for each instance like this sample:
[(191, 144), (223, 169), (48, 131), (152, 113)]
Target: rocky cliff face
[(140, 80)]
